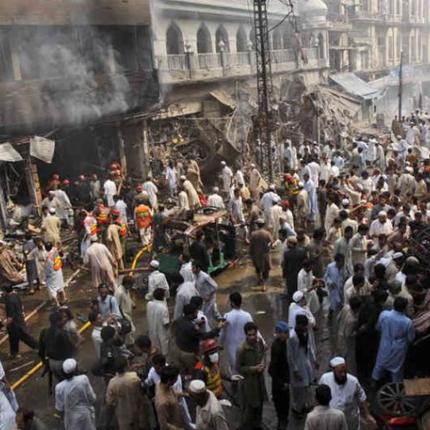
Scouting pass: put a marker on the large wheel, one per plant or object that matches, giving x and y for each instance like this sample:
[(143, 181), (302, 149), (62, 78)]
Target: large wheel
[(392, 400)]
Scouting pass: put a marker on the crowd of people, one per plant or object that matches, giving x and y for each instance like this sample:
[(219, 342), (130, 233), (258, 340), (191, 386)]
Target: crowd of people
[(342, 223)]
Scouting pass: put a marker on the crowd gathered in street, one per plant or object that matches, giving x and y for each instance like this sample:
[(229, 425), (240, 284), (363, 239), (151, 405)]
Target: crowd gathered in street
[(346, 225)]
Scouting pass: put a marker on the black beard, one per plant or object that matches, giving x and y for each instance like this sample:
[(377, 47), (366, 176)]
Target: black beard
[(339, 381)]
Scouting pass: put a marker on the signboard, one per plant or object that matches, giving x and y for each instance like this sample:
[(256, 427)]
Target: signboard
[(42, 149), (8, 153)]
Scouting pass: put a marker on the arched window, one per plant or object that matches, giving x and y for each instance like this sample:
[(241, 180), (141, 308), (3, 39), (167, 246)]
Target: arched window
[(321, 50), (241, 40), (277, 39), (204, 40), (222, 36), (174, 40)]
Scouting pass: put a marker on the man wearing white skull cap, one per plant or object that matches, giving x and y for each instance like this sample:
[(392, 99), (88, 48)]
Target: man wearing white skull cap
[(75, 399), (347, 393), (209, 413)]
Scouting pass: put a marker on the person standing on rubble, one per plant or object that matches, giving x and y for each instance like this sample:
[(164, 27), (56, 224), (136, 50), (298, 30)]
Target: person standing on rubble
[(255, 182), (109, 188), (152, 191), (172, 179), (227, 176), (193, 197), (63, 205)]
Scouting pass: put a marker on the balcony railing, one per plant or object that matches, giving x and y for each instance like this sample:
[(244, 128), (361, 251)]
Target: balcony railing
[(209, 61), (280, 56), (192, 66), (237, 58)]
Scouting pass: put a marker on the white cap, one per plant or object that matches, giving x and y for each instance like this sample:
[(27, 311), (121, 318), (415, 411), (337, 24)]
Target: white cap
[(215, 189), (300, 184), (252, 165), (69, 366), (52, 210), (197, 386), (397, 255), (297, 296), (272, 187), (409, 169), (155, 264), (345, 202), (382, 213), (223, 163), (183, 178), (337, 361)]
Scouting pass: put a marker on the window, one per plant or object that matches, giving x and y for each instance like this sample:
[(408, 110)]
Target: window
[(241, 40), (222, 36), (204, 40), (174, 40)]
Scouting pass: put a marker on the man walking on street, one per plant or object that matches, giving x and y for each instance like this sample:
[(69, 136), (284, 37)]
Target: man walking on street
[(302, 361), (396, 331), (15, 323), (233, 335), (347, 394), (250, 363), (259, 251)]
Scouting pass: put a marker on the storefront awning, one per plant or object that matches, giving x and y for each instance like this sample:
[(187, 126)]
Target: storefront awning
[(352, 84)]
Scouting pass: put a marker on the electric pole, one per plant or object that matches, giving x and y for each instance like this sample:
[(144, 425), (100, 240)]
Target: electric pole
[(400, 85), (264, 120)]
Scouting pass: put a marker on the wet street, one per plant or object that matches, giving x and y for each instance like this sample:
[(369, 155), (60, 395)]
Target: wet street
[(265, 308)]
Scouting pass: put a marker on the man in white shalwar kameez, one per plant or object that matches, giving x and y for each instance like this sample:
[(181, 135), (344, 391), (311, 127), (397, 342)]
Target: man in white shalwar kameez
[(63, 205), (215, 200), (156, 279), (255, 181), (305, 284), (152, 191), (185, 291), (75, 399), (347, 394), (227, 177), (232, 334), (275, 215), (109, 189), (267, 200), (158, 320), (7, 414)]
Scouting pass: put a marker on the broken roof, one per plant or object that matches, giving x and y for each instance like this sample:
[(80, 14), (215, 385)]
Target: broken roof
[(352, 84)]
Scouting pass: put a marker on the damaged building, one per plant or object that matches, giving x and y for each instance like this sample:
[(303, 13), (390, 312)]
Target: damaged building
[(122, 81)]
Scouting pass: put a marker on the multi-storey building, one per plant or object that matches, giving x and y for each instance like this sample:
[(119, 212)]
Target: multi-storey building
[(369, 35), (95, 74)]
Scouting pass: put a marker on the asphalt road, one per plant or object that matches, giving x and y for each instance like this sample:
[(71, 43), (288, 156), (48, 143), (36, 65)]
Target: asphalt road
[(265, 308)]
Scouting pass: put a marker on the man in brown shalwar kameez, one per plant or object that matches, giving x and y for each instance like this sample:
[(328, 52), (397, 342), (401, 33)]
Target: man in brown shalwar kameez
[(259, 249)]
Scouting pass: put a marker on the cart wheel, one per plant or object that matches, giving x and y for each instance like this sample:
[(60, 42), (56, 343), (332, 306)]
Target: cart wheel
[(393, 401)]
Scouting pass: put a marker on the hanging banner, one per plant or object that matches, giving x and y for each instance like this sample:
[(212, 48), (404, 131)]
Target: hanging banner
[(8, 153), (42, 149)]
